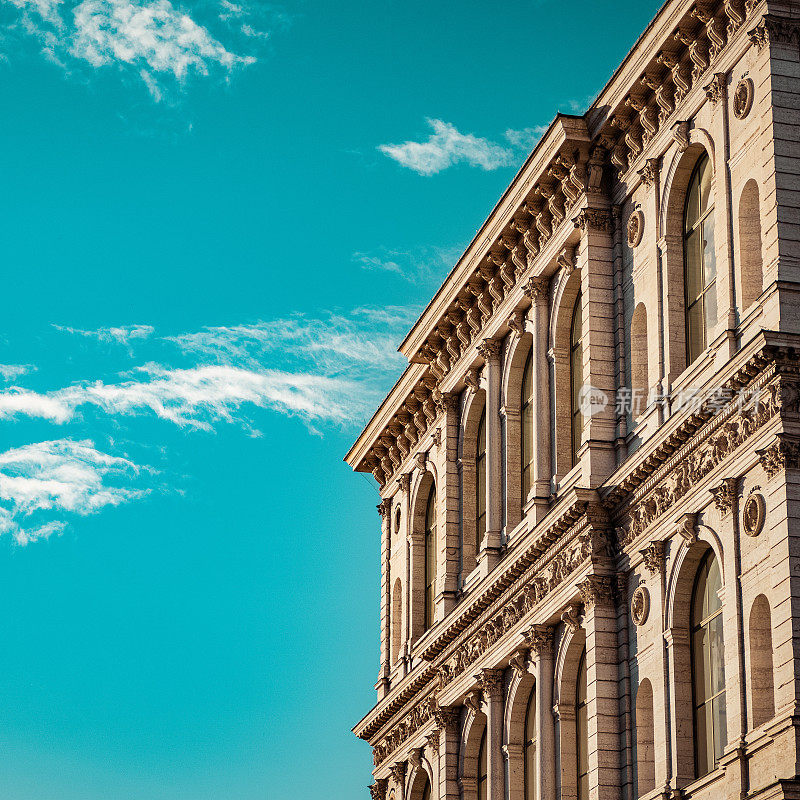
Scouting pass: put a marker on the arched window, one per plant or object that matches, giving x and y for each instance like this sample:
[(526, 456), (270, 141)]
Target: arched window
[(576, 377), (529, 748), (480, 496), (483, 772), (527, 427), (700, 267), (430, 557), (582, 731), (750, 244), (708, 667)]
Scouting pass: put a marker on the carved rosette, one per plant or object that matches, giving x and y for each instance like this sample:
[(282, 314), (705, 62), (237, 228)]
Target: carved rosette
[(640, 605), (635, 228), (743, 98), (754, 514)]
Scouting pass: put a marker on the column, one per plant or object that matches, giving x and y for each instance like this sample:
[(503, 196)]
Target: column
[(489, 553), (540, 639), (491, 682), (384, 509), (448, 560), (602, 696), (538, 289), (398, 773), (447, 719), (595, 258)]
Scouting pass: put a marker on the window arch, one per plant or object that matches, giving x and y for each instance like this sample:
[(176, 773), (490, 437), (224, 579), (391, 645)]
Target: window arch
[(762, 680), (527, 411), (750, 244), (708, 666), (576, 378), (480, 484), (483, 772), (582, 731), (699, 260), (430, 557), (529, 748)]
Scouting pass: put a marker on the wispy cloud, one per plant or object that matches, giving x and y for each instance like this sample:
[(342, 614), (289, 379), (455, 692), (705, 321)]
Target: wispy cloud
[(419, 265), (154, 40), (318, 369), (447, 146), (42, 484), (10, 372), (122, 334)]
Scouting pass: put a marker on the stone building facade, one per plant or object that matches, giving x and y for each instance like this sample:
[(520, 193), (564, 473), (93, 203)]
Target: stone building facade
[(590, 469)]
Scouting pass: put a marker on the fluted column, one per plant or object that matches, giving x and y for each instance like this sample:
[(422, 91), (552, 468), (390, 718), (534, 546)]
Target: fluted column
[(538, 289), (540, 640), (491, 682), (490, 546), (602, 695)]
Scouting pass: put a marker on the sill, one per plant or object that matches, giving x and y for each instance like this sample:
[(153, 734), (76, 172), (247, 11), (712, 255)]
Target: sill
[(701, 783)]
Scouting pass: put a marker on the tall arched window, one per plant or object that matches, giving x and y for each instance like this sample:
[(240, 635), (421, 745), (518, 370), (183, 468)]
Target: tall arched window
[(708, 667), (582, 731), (426, 790), (576, 377), (483, 772), (430, 557), (700, 266), (529, 748), (527, 427), (480, 484)]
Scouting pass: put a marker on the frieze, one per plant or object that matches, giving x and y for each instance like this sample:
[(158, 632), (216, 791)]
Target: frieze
[(420, 715)]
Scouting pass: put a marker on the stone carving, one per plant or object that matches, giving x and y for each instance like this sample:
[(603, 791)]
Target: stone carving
[(377, 790), (775, 29), (754, 514), (640, 605), (680, 132), (725, 495), (596, 589), (491, 682), (782, 454), (398, 772), (715, 91), (571, 617), (743, 98), (420, 715), (653, 556), (649, 172), (635, 228), (594, 218), (519, 661), (540, 638), (516, 322)]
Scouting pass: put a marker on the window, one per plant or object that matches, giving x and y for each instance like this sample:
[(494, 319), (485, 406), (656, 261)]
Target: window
[(426, 790), (700, 269), (529, 748), (576, 378), (527, 427), (482, 769), (582, 731), (708, 667), (480, 497), (430, 557)]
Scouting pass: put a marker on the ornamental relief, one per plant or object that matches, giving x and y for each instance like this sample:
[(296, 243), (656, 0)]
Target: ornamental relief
[(417, 717), (700, 460)]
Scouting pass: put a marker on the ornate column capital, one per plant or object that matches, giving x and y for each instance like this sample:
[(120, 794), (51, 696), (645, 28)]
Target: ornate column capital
[(384, 506), (783, 453), (490, 682), (725, 495), (540, 639), (653, 556), (597, 219), (445, 717), (649, 172), (717, 89), (596, 590), (773, 28), (377, 790), (489, 349), (537, 289), (398, 772)]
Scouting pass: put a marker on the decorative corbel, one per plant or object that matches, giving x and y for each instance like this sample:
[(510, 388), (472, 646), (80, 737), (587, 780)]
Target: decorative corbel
[(687, 528), (571, 617), (473, 701), (680, 132), (516, 322)]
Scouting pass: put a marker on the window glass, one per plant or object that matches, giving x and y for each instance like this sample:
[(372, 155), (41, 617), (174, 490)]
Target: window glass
[(582, 731), (430, 557), (529, 747), (480, 499), (576, 378), (708, 667), (482, 769)]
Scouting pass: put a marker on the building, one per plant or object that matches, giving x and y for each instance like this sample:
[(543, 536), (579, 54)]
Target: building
[(590, 469)]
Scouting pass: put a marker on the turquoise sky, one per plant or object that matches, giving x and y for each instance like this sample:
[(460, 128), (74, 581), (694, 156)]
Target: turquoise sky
[(218, 220)]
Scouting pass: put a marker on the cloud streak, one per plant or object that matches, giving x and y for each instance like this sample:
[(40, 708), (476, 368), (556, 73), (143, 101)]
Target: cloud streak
[(43, 484), (123, 334)]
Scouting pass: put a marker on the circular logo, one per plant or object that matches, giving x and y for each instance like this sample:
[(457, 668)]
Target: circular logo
[(591, 400)]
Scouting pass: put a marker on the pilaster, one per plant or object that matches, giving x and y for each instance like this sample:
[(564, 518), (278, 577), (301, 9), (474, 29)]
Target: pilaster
[(491, 682), (489, 553)]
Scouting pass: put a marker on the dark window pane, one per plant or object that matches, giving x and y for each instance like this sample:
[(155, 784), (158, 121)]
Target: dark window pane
[(704, 179)]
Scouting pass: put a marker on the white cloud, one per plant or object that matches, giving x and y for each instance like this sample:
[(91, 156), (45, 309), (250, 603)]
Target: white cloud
[(9, 372), (154, 40), (42, 483), (123, 334), (419, 265), (445, 147), (526, 138)]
